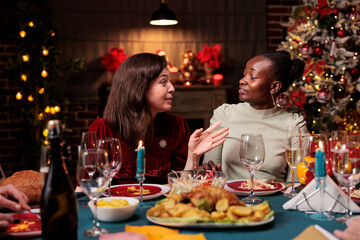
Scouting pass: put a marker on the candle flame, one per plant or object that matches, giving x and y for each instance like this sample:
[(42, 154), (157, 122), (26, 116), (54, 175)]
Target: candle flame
[(140, 143), (321, 145)]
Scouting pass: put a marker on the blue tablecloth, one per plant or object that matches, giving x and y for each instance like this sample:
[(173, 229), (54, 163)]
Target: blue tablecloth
[(286, 225)]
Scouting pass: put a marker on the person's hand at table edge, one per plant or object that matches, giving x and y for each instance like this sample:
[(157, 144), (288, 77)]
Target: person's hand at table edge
[(351, 232)]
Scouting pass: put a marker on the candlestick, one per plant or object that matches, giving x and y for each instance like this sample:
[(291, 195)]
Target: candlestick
[(320, 170), (140, 161)]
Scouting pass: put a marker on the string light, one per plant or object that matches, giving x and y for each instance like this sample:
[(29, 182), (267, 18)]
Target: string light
[(31, 24), (25, 58), (52, 33), (30, 98), (52, 110), (18, 96), (41, 116), (44, 73), (45, 132), (45, 52), (47, 109), (319, 110), (57, 109), (22, 33), (41, 91), (23, 77)]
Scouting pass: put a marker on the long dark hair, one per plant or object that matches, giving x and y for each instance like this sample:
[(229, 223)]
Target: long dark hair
[(127, 110), (285, 69)]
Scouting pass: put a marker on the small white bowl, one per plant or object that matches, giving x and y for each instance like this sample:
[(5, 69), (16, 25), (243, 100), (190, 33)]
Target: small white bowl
[(115, 214)]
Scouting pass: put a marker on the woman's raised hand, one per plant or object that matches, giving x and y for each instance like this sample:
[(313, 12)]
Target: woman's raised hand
[(201, 141)]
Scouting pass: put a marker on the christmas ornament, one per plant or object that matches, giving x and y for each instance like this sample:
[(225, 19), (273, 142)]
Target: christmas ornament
[(341, 33), (354, 72), (354, 15), (282, 100), (343, 80), (306, 50), (357, 106), (308, 79), (318, 50), (323, 95), (336, 11)]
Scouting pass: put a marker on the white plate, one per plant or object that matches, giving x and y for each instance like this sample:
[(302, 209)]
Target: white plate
[(30, 233), (158, 190), (209, 225), (279, 187)]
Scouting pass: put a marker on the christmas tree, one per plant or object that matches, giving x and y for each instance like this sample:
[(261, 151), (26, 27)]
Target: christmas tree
[(325, 35), (41, 75)]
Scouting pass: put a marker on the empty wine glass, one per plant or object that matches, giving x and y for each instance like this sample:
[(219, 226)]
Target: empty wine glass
[(94, 186), (113, 148), (88, 140), (293, 152), (252, 154), (315, 152), (345, 164)]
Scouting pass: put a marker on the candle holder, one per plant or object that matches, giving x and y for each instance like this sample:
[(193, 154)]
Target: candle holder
[(140, 174)]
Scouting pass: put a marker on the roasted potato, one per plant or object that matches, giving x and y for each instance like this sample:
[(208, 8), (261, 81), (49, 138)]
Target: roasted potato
[(222, 205)]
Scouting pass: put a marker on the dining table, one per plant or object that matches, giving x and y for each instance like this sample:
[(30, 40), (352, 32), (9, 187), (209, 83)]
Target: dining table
[(287, 224)]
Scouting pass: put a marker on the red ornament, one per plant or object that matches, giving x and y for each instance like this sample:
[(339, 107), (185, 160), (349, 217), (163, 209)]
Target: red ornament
[(354, 15), (306, 50), (341, 33), (343, 80), (318, 50), (323, 95), (308, 79), (336, 11), (282, 100), (354, 72)]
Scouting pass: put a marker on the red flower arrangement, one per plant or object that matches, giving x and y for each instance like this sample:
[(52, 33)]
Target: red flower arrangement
[(210, 55), (111, 61)]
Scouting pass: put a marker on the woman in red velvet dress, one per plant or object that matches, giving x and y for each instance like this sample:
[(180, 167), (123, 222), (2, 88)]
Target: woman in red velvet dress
[(140, 97)]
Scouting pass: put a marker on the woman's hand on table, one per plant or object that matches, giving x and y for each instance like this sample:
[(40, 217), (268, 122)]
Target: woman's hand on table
[(351, 232)]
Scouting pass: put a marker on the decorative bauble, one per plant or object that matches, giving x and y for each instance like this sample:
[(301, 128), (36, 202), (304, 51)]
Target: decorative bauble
[(306, 50), (343, 80), (341, 33), (354, 15), (323, 95), (308, 79), (282, 100), (357, 107), (354, 72), (336, 11), (318, 50)]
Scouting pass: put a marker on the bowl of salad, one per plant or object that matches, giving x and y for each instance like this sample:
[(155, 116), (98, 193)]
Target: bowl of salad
[(184, 181)]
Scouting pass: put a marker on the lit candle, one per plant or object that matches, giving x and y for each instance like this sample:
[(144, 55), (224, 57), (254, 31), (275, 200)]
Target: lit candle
[(218, 79), (140, 159), (320, 170)]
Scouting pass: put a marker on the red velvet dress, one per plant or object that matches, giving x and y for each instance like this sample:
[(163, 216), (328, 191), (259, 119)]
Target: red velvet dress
[(167, 151)]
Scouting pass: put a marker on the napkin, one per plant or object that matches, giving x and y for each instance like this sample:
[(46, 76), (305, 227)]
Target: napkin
[(331, 192), (315, 232), (162, 233)]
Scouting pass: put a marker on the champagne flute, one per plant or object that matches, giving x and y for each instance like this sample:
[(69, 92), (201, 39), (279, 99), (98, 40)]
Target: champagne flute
[(113, 148), (345, 164), (337, 137), (252, 154), (315, 152), (94, 186), (293, 152), (88, 141)]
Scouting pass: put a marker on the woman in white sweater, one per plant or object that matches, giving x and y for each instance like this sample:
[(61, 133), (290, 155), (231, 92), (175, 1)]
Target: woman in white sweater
[(265, 77)]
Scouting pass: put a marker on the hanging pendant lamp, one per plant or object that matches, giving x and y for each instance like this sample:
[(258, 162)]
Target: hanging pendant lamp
[(163, 16)]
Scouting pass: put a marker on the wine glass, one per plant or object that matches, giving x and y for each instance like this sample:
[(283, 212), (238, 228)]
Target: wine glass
[(252, 154), (315, 152), (94, 186), (88, 140), (337, 137), (345, 164), (293, 152), (113, 148)]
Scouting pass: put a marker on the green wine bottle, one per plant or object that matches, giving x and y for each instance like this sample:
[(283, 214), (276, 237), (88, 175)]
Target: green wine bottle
[(58, 202)]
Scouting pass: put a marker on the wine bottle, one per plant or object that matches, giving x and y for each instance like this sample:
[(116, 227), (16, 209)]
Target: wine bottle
[(58, 203)]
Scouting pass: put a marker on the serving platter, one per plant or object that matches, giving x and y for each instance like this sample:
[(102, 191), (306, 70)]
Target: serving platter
[(156, 190), (29, 219), (234, 187), (173, 222)]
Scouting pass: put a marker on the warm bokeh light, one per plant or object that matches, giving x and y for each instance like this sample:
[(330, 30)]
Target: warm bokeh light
[(41, 116), (41, 90), (31, 24), (52, 33), (57, 109), (52, 110), (18, 96), (22, 33), (45, 52), (47, 109), (44, 73), (23, 77), (45, 132), (25, 58), (30, 98)]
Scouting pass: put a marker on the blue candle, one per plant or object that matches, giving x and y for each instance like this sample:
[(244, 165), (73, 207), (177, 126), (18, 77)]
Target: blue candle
[(320, 170), (140, 159)]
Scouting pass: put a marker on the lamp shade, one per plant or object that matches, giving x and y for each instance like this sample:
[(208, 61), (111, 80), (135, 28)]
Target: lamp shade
[(163, 16)]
